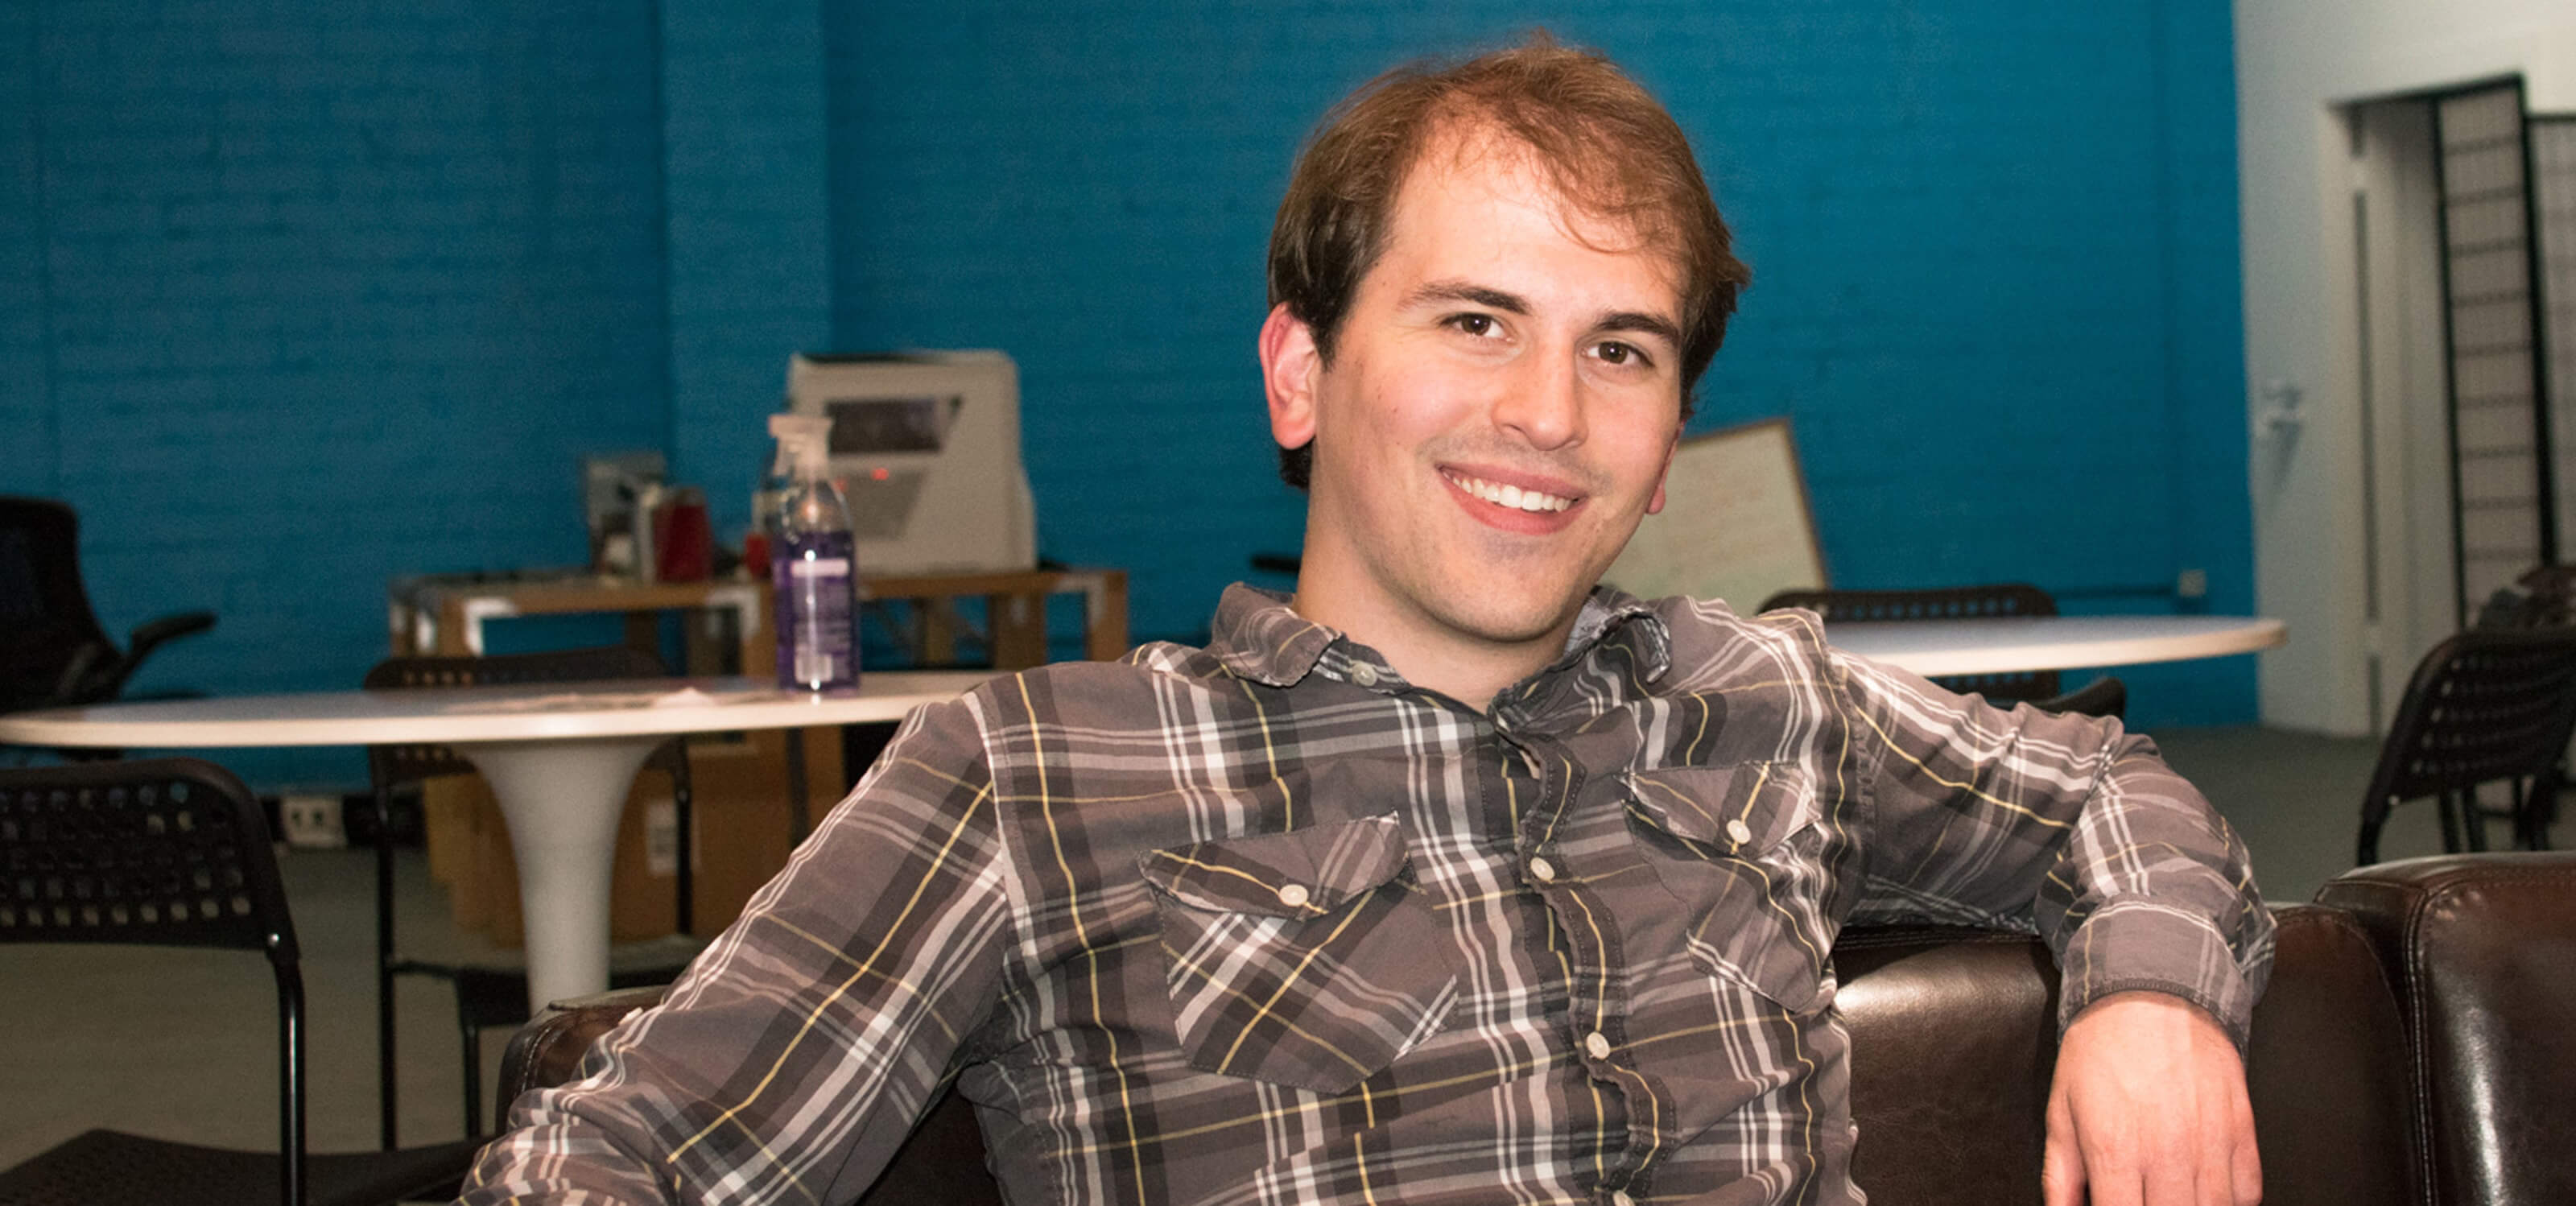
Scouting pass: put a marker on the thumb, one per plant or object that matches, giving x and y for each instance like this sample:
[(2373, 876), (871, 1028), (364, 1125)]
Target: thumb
[(2061, 1168)]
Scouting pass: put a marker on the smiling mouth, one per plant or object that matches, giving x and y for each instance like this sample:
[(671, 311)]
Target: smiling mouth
[(1508, 497)]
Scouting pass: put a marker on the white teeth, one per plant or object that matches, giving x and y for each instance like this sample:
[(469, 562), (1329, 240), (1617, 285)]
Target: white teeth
[(1510, 496)]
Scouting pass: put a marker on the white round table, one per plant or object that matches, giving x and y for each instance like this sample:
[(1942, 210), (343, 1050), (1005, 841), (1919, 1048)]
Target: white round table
[(559, 758), (2005, 645)]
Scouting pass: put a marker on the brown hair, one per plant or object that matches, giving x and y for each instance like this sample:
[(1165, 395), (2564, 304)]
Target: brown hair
[(1604, 144)]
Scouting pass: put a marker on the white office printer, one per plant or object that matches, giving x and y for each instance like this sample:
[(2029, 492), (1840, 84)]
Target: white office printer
[(927, 447)]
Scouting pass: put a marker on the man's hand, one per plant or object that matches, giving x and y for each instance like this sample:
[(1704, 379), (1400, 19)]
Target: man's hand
[(2149, 1109)]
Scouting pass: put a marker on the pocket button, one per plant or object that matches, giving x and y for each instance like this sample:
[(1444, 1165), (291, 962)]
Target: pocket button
[(1293, 895), (1738, 832)]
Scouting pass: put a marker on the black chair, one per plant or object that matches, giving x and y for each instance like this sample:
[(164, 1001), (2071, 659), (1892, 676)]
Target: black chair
[(2104, 696), (2485, 706), (497, 995), (175, 852), (53, 653)]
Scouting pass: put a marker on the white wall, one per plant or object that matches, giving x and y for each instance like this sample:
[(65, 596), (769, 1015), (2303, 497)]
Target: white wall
[(2297, 61)]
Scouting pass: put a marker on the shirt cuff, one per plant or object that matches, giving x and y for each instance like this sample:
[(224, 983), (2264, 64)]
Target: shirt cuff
[(2133, 945)]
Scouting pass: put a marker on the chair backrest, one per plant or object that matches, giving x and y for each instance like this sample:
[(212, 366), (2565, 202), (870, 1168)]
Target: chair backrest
[(1993, 600), (168, 852), (2484, 706), (392, 764), (48, 633)]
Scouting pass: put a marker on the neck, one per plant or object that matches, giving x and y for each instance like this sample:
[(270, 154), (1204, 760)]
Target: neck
[(1428, 652)]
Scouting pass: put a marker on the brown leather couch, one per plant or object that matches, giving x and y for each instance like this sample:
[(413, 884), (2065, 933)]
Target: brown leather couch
[(2417, 1045)]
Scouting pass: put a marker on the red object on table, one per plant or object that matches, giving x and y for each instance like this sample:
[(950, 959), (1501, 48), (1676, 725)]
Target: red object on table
[(683, 543)]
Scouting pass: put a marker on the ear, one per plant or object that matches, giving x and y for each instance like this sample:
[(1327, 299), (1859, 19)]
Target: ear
[(1655, 505), (1289, 368)]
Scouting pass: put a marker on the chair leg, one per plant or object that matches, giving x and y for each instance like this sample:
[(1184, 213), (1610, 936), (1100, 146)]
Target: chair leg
[(2450, 823), (473, 1036), (384, 965), (2374, 814), (684, 883)]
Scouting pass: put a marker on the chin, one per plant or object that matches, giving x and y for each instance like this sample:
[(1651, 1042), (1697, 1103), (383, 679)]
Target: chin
[(1528, 616)]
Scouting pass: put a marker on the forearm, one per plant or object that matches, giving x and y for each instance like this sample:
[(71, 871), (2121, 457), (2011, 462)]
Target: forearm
[(2153, 891), (798, 1049), (2069, 824)]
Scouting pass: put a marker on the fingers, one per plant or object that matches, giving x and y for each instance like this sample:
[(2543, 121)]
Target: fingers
[(2245, 1171), (2148, 1108), (2061, 1166)]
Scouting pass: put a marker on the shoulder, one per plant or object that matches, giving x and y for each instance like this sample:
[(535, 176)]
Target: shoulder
[(1712, 646), (1130, 691)]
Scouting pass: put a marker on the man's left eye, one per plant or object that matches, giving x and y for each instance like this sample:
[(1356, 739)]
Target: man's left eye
[(1614, 352)]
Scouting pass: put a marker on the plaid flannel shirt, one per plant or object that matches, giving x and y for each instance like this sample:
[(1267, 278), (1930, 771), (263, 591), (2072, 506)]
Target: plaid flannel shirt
[(1262, 923)]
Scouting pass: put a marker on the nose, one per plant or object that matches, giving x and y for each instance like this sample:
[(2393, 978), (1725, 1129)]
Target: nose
[(1542, 404)]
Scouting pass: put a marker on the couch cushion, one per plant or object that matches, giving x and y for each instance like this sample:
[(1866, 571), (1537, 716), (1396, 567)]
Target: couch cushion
[(2484, 952)]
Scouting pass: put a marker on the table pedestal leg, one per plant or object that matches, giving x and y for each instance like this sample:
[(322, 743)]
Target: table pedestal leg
[(562, 800)]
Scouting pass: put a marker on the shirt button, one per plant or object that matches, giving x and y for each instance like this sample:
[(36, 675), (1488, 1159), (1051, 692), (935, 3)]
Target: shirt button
[(1738, 832), (1597, 1046), (1293, 895), (1364, 674), (1619, 1197), (1542, 870)]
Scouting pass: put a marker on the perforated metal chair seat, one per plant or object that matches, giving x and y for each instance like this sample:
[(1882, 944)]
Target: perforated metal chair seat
[(2488, 706), (176, 852), (112, 1168)]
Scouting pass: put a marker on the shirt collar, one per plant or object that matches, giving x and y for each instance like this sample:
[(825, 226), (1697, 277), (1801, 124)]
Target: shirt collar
[(1259, 637)]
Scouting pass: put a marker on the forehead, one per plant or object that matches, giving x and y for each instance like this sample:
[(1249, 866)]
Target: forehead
[(1477, 197)]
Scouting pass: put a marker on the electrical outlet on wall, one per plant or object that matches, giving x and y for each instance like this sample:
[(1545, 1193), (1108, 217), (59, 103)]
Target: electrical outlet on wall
[(311, 822), (662, 837), (2192, 584)]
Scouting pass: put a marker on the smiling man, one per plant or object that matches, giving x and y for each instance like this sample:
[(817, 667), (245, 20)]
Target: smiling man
[(1455, 877)]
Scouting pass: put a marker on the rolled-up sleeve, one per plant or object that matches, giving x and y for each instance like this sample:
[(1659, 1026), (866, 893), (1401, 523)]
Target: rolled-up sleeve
[(2068, 824), (796, 1053)]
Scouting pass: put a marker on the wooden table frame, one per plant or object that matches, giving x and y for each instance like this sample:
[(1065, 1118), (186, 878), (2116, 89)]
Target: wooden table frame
[(446, 616)]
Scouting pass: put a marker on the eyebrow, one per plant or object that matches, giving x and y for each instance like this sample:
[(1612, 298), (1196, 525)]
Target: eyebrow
[(1513, 303)]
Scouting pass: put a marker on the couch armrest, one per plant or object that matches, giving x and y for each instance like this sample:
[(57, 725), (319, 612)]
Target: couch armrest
[(548, 1050), (2482, 948), (1954, 1038), (2332, 1112)]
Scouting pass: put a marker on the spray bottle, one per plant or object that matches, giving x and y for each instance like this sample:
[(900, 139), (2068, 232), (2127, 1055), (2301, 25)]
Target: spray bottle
[(813, 566)]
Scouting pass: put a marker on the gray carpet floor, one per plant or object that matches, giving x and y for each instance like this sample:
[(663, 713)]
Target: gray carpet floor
[(181, 1044)]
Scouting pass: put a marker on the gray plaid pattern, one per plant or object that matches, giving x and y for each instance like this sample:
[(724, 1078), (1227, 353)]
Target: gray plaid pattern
[(1261, 923)]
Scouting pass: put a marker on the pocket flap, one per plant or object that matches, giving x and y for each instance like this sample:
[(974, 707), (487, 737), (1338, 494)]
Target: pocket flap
[(1301, 874), (1738, 811)]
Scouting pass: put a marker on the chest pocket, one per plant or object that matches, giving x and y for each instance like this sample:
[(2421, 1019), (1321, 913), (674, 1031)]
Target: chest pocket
[(1306, 958), (1744, 849)]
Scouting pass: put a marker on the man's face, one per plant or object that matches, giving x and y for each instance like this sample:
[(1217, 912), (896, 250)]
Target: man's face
[(1503, 398)]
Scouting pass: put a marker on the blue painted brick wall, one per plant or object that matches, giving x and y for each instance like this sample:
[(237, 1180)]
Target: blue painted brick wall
[(745, 165), (1994, 249), (337, 293), (26, 388)]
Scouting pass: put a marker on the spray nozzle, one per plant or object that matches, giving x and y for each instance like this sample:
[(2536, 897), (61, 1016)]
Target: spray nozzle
[(803, 443)]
